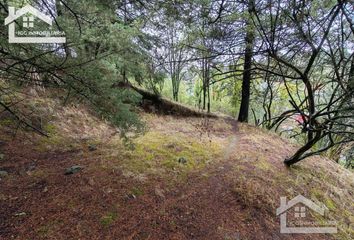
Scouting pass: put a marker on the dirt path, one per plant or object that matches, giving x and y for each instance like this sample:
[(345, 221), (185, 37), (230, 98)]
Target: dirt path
[(207, 207), (235, 137)]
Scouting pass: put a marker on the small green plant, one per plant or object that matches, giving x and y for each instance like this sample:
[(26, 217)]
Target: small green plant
[(136, 191), (108, 219)]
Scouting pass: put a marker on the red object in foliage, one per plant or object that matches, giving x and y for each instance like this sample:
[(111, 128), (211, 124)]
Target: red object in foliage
[(300, 118)]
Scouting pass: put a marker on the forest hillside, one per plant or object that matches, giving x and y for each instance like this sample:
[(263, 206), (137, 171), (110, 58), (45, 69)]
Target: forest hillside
[(184, 178), (176, 120)]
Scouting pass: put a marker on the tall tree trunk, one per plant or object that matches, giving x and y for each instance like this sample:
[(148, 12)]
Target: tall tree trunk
[(208, 85), (246, 79), (204, 83)]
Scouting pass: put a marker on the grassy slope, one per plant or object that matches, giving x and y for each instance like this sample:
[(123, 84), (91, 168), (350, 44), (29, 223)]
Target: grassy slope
[(230, 185)]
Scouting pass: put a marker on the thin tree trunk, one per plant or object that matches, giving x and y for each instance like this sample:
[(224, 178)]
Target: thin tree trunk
[(208, 85), (59, 9), (351, 77)]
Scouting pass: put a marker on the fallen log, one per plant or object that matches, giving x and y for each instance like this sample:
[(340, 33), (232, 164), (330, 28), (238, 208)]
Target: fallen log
[(152, 102)]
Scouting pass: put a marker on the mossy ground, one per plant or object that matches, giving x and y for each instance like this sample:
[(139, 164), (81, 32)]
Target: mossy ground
[(157, 153)]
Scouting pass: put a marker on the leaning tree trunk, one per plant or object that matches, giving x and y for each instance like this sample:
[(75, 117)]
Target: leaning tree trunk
[(299, 155), (246, 79)]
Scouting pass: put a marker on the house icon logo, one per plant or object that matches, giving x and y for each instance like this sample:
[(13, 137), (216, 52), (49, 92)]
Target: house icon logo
[(300, 213), (28, 23)]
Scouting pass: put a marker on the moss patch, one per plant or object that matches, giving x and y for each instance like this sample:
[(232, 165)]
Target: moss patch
[(108, 219), (137, 191), (159, 153)]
